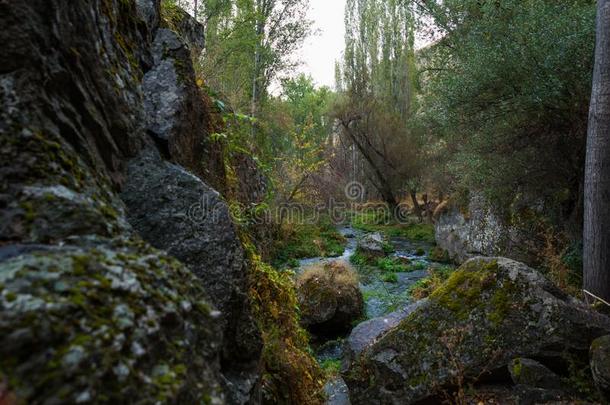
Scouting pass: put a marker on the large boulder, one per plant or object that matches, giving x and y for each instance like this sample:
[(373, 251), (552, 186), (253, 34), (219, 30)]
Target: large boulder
[(72, 71), (175, 211), (329, 299), (476, 228), (176, 115), (489, 312), (186, 26), (366, 333), (104, 320)]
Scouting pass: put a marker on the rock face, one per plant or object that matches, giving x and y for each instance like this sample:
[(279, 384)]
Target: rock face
[(600, 365), (367, 333), (371, 245), (88, 311), (175, 211), (188, 28), (478, 230), (176, 115), (330, 299), (489, 312), (86, 90)]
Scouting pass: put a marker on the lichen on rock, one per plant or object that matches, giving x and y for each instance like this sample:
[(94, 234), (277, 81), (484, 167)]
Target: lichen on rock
[(489, 312), (106, 320)]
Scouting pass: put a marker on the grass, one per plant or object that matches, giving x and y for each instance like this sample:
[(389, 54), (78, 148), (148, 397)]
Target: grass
[(425, 287), (300, 241), (379, 222), (335, 273), (389, 278), (331, 367)]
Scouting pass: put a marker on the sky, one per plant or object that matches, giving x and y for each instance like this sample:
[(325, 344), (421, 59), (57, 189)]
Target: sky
[(320, 51)]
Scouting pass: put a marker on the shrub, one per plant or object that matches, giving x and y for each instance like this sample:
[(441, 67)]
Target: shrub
[(289, 373)]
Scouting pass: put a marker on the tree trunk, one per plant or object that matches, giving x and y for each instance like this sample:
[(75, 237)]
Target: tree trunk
[(382, 184), (416, 206), (596, 235), (196, 8)]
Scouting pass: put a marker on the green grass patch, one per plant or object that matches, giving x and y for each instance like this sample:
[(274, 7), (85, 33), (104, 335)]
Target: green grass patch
[(426, 286), (391, 264), (301, 241), (331, 367), (389, 278), (375, 222)]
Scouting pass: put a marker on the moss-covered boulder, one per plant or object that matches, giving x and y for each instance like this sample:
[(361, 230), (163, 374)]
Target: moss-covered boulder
[(600, 365), (489, 312), (329, 299), (105, 320)]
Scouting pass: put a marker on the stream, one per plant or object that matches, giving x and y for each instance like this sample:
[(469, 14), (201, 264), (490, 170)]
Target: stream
[(381, 298)]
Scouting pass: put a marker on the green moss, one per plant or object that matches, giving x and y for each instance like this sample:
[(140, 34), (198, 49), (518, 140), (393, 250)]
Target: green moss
[(377, 222), (389, 278), (290, 373), (462, 291), (439, 255), (10, 296), (516, 368)]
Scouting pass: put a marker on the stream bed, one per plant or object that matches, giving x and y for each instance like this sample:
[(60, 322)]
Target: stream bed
[(380, 297)]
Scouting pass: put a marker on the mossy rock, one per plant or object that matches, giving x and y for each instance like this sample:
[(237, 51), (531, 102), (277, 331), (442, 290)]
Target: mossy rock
[(439, 255), (489, 312), (600, 365), (329, 299), (104, 321)]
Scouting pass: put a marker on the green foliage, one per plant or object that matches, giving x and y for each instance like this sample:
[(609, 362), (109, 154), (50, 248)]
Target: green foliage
[(507, 92), (389, 278), (426, 286), (302, 241), (391, 264), (290, 373), (374, 222), (331, 367)]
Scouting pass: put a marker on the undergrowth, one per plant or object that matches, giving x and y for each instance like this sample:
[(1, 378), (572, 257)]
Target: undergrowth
[(290, 373), (375, 222), (300, 241), (426, 286)]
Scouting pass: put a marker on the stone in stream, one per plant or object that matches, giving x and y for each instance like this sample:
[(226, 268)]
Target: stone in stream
[(489, 312), (371, 245)]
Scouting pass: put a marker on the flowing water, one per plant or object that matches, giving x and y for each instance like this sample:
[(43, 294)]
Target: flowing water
[(380, 297)]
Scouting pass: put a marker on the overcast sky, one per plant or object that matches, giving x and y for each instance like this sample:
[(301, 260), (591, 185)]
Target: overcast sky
[(320, 51)]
